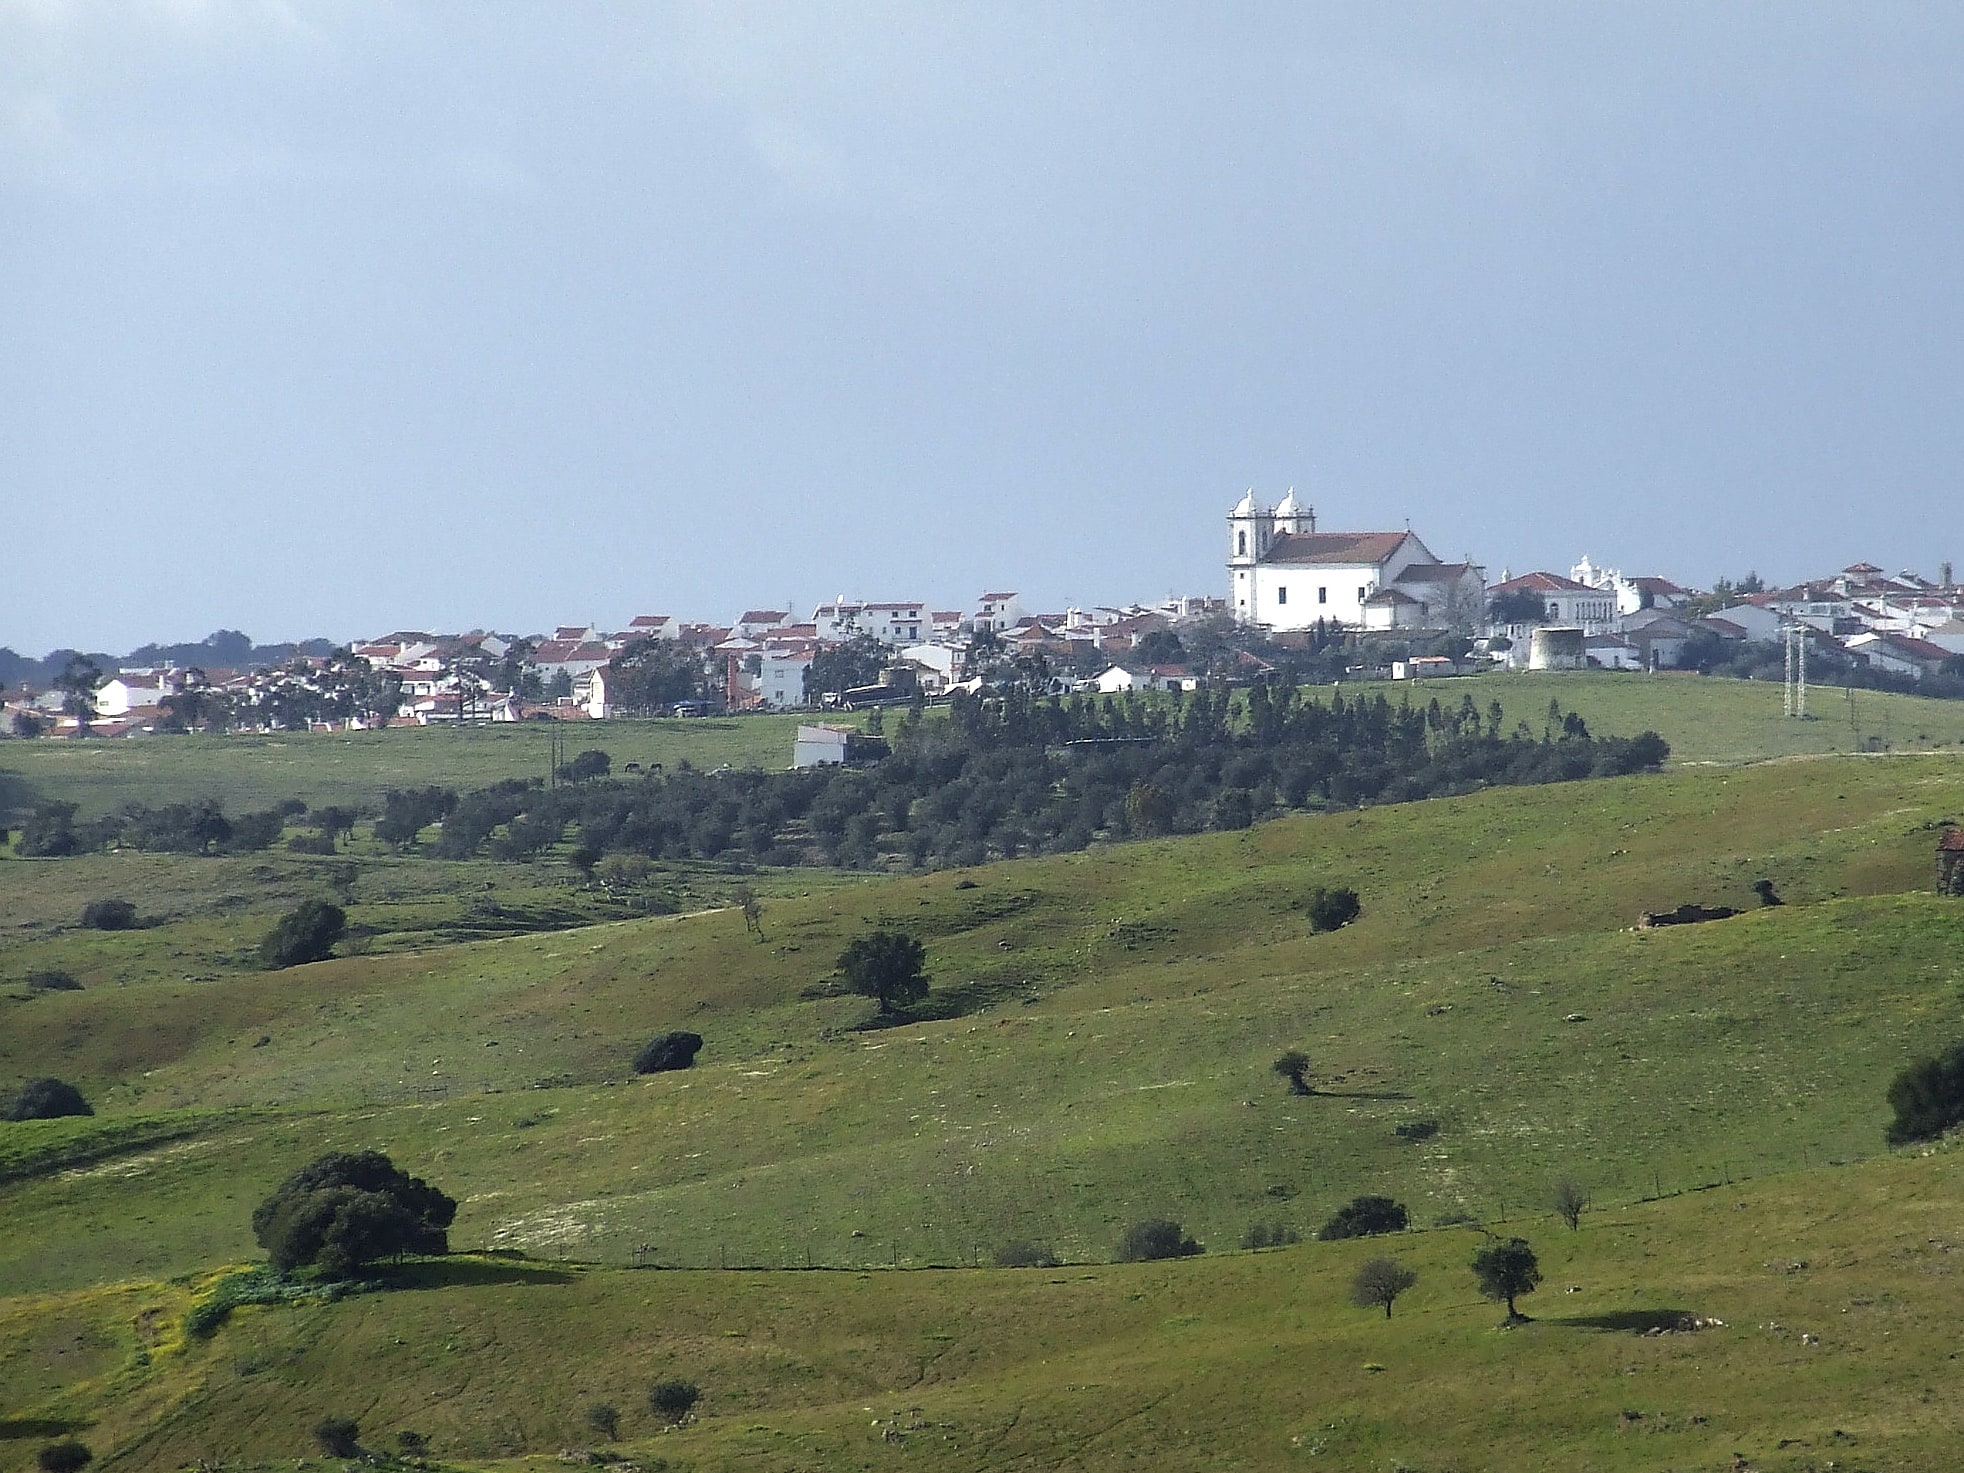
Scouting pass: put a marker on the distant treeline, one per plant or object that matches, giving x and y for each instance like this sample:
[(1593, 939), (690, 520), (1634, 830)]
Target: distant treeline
[(1015, 775), (999, 777), (221, 649)]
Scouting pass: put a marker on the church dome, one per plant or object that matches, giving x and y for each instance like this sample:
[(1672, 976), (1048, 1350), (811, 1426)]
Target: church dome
[(1246, 506), (1289, 507)]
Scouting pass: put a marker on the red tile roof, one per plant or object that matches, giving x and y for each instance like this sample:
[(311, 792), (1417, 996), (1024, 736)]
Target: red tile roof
[(1952, 841), (1334, 547), (1543, 583)]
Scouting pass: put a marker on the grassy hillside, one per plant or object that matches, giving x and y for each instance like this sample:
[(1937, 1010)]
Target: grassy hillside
[(1725, 721), (1836, 1289), (1096, 1051), (1116, 1013)]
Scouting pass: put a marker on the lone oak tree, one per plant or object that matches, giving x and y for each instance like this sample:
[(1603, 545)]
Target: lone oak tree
[(886, 965)]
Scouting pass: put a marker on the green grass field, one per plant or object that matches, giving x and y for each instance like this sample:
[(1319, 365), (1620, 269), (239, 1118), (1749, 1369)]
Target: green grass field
[(1720, 721), (358, 767), (1231, 1361), (1107, 1021)]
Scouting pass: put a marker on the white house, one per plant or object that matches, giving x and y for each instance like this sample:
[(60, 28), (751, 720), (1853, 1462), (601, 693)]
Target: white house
[(1659, 638), (820, 746), (942, 660), (994, 611), (121, 694), (781, 676), (1564, 601), (1631, 594), (1117, 679), (1758, 623), (756, 623), (1899, 654), (1285, 574), (651, 626)]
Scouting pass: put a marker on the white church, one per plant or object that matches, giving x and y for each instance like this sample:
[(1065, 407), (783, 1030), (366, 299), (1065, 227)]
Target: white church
[(1284, 575)]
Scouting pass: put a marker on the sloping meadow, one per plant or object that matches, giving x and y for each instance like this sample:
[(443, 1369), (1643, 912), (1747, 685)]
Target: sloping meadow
[(1097, 1050)]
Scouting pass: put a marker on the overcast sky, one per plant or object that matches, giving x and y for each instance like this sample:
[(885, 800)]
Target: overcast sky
[(326, 317)]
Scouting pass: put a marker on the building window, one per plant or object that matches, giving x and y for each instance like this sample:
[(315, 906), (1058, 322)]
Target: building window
[(1241, 544), (1322, 595), (1282, 595), (1361, 593)]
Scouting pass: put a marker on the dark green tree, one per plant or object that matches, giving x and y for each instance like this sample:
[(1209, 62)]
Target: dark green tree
[(1154, 1239), (886, 965), (1928, 1097), (588, 765), (604, 1418), (344, 1210), (47, 1099), (338, 1437), (1365, 1217), (672, 1401), (1518, 606), (305, 934), (109, 915), (676, 1050), (66, 1456), (650, 675), (49, 832), (1504, 1271), (1292, 1066), (78, 682), (839, 668), (1332, 909)]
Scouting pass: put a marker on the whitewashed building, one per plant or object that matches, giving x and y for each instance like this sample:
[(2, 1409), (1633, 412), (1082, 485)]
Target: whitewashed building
[(1284, 574)]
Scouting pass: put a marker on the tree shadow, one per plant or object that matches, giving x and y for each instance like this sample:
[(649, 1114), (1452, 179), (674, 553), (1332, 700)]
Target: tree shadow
[(15, 1427), (1633, 1321), (1358, 1094), (463, 1273), (944, 1004)]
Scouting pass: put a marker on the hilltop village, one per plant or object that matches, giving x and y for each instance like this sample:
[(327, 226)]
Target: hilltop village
[(1302, 602)]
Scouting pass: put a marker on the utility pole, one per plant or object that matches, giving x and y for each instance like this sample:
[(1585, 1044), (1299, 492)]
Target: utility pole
[(1796, 673)]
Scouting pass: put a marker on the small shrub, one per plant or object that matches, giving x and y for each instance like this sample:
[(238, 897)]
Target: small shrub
[(304, 934), (413, 1444), (47, 1099), (1365, 1217), (52, 980), (1269, 1235), (1380, 1281), (1569, 1199), (1292, 1066), (672, 1401), (311, 844), (605, 1419), (1928, 1097), (338, 1437), (1025, 1255), (676, 1050), (66, 1456), (588, 765), (1332, 909), (1154, 1239), (109, 915)]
